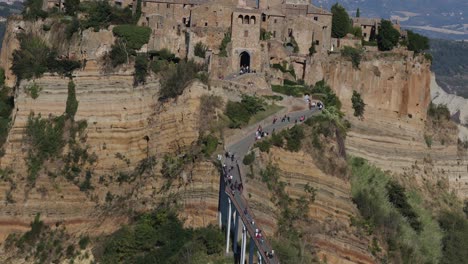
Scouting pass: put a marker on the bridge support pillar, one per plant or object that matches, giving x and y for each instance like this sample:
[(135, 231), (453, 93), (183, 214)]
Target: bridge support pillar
[(228, 229), (244, 243), (251, 250), (236, 232)]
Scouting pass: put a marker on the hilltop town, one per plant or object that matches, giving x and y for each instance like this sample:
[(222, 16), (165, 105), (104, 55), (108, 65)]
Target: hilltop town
[(206, 131)]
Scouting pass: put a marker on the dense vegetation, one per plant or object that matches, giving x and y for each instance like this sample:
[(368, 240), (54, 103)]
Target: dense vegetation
[(417, 42), (388, 36), (223, 47), (239, 113), (100, 14), (133, 36), (42, 244), (200, 49), (177, 76), (388, 209), (34, 58), (340, 22), (159, 237), (6, 107)]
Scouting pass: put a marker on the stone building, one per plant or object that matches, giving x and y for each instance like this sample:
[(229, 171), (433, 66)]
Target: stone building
[(369, 26)]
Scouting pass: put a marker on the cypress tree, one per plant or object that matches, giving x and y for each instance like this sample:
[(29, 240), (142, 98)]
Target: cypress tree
[(340, 21)]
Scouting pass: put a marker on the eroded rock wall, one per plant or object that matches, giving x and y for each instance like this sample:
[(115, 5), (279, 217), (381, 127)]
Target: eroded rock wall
[(329, 231)]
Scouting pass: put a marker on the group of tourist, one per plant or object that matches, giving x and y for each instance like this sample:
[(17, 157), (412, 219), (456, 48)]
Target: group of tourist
[(259, 134), (245, 69)]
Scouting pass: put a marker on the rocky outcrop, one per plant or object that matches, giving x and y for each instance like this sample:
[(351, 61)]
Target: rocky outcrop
[(392, 82), (329, 231)]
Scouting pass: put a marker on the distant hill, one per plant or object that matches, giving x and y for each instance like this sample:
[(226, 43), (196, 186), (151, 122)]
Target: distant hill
[(445, 19), (450, 65)]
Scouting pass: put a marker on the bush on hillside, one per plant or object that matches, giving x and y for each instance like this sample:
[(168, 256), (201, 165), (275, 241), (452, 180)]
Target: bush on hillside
[(71, 7), (133, 36), (118, 54), (100, 14), (141, 70), (33, 90), (6, 107), (200, 50), (224, 43), (323, 91), (45, 137), (249, 158), (72, 103), (354, 54), (72, 28), (358, 104), (455, 241), (438, 112), (239, 113), (176, 78), (417, 42), (136, 242), (34, 58)]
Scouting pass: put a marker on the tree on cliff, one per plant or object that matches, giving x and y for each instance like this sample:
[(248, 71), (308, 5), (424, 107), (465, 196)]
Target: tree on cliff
[(358, 104), (416, 42), (71, 7), (358, 13), (388, 36), (340, 21)]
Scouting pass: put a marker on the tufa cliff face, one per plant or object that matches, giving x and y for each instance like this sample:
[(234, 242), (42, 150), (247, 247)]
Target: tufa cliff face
[(328, 231), (396, 88), (392, 82)]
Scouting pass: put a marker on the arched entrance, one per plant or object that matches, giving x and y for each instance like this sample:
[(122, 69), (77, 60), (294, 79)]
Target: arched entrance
[(244, 62)]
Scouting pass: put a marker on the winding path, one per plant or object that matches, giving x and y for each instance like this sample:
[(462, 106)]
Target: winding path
[(240, 149)]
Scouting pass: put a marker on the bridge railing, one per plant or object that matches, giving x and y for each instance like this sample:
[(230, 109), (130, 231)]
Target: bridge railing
[(251, 231)]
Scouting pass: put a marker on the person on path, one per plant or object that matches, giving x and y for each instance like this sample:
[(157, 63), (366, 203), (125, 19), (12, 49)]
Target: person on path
[(288, 119), (232, 157)]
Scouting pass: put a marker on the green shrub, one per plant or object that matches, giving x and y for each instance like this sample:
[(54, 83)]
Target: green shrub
[(290, 90), (417, 42), (358, 104), (30, 60), (72, 103), (356, 31), (210, 143), (240, 112), (171, 167), (84, 241), (101, 14), (72, 28), (6, 107), (249, 158), (455, 241), (46, 27), (86, 184), (200, 50), (396, 215), (326, 94), (141, 70), (428, 140), (71, 7), (312, 50), (133, 36), (354, 54), (438, 112), (265, 35), (224, 43), (34, 58), (158, 66), (294, 136), (263, 145), (32, 235), (428, 57), (118, 54), (2, 77), (177, 78), (136, 242), (46, 141), (33, 90)]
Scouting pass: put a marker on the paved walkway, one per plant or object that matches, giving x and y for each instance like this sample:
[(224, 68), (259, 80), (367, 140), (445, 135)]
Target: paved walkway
[(240, 149)]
